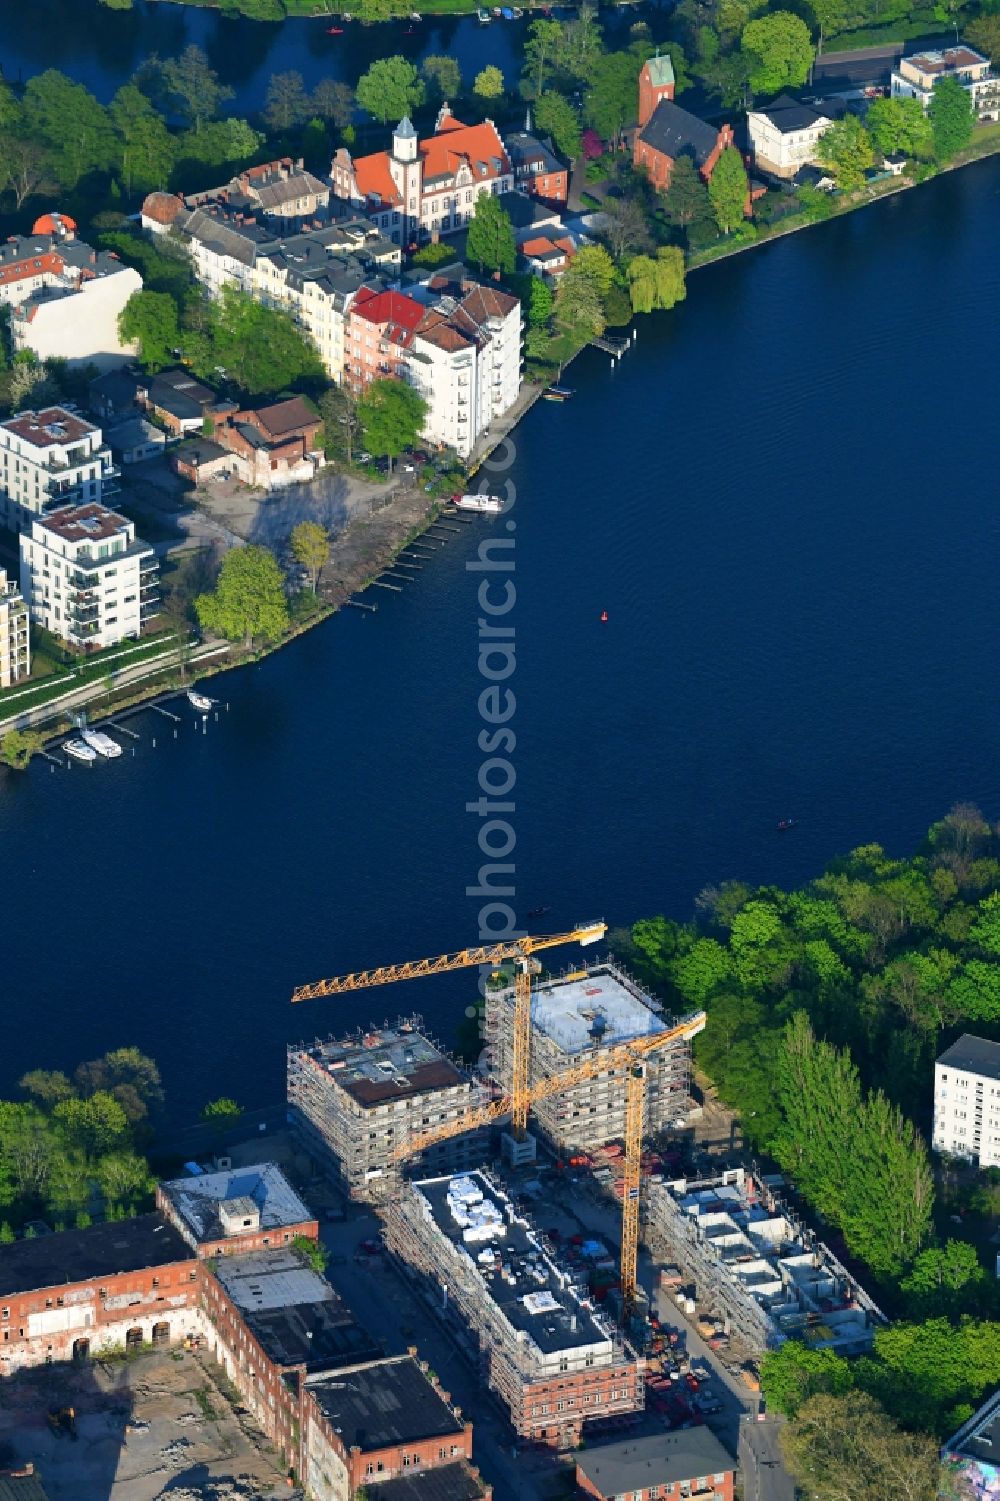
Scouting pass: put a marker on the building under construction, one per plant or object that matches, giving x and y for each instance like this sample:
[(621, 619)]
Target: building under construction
[(356, 1100), (755, 1266), (548, 1354), (574, 1017)]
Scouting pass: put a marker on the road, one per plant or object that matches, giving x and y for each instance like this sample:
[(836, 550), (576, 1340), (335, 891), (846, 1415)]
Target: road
[(764, 1475)]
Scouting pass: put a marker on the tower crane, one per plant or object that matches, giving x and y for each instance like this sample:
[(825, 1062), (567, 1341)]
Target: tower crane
[(520, 950)]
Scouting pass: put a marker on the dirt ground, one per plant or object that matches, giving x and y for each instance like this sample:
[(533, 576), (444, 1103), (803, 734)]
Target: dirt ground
[(153, 1426)]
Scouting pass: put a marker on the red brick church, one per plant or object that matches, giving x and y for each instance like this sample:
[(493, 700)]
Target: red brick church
[(667, 132)]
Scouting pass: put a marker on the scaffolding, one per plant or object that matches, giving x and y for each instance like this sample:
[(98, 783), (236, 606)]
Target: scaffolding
[(755, 1265), (609, 1006), (354, 1099), (596, 1372)]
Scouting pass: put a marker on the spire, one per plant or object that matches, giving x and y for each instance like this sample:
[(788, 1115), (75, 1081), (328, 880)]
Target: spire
[(405, 129)]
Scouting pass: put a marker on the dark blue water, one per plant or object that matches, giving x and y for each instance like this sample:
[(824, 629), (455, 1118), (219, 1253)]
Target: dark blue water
[(786, 499)]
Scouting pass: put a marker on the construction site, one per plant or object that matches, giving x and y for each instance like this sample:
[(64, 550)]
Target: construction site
[(590, 1012), (356, 1100), (543, 1346), (753, 1268)]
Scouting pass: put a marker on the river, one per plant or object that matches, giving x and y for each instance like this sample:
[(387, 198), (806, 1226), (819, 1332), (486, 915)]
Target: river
[(785, 499)]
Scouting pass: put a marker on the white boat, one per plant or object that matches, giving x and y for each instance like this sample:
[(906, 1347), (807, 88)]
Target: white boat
[(484, 18), (101, 743), (199, 701), (79, 750), (491, 504)]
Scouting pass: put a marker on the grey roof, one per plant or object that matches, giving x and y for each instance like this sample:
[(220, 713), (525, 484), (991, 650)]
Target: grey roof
[(675, 133), (197, 1200), (975, 1055), (199, 451), (405, 129), (98, 1251), (527, 151), (787, 114), (454, 1482), (278, 1278), (19, 1486), (134, 432), (386, 1402), (638, 1463), (293, 1311)]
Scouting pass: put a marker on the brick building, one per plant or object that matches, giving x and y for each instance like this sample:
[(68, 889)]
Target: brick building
[(380, 328), (686, 1463), (73, 1295), (666, 132), (239, 1210), (537, 170)]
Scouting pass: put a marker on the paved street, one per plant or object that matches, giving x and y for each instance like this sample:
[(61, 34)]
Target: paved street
[(764, 1475)]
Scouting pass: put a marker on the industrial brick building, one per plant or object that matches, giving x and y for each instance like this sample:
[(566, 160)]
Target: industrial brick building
[(356, 1099), (239, 1210), (573, 1018), (76, 1294), (552, 1360)]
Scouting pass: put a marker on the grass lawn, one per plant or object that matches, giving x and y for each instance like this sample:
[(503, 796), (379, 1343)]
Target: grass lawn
[(57, 680)]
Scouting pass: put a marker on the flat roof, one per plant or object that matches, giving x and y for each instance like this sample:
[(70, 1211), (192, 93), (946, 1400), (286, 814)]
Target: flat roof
[(454, 1482), (934, 60), (518, 1276), (384, 1403), (91, 522), (83, 1255), (262, 1280), (974, 1055), (197, 1200), (388, 1063), (601, 1008), (662, 1459), (46, 428)]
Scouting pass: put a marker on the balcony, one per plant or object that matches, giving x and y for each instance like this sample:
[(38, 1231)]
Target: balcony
[(149, 608), (84, 614), (149, 563)]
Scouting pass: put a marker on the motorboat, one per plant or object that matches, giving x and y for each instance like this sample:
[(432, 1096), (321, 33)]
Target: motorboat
[(79, 750), (556, 393), (200, 702), (483, 17), (101, 743), (604, 617), (492, 505), (786, 823), (335, 31), (415, 15)]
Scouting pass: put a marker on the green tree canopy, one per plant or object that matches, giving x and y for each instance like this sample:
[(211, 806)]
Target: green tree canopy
[(657, 282), (899, 127), (540, 53), (490, 241), (311, 547), (248, 601), (390, 89), (489, 83), (729, 190), (146, 145), (846, 148), (149, 319), (219, 143), (191, 86), (76, 131), (93, 1126), (611, 102), (951, 115), (443, 76), (261, 349), (794, 1372), (845, 1448), (333, 100), (779, 51), (686, 199), (556, 117), (391, 415), (287, 103)]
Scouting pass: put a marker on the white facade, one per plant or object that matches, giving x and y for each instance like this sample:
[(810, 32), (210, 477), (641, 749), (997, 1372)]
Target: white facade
[(967, 1101), (77, 321), (15, 653), (48, 458), (469, 371), (87, 578), (914, 78), (785, 136)]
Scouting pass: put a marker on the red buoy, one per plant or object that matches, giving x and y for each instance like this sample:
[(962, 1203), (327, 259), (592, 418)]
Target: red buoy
[(604, 617)]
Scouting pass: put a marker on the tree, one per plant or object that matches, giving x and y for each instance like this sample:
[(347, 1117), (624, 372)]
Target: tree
[(686, 199), (68, 121), (779, 51), (625, 227), (192, 87), (124, 1179), (261, 349), (845, 1448), (47, 1087), (249, 599), (147, 147), (846, 148), (490, 241), (220, 1116), (489, 83), (92, 1126), (899, 127), (984, 33), (556, 117), (219, 143), (129, 1075), (340, 422), (443, 75), (579, 304), (18, 746), (149, 319), (940, 1275), (391, 415), (24, 168), (286, 103), (581, 45), (333, 100), (729, 190), (436, 253), (390, 89), (611, 102), (311, 547), (657, 282), (952, 114), (538, 303), (313, 1251), (794, 1372), (540, 50)]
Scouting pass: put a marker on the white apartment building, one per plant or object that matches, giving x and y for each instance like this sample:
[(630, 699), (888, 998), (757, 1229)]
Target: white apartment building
[(967, 1101), (50, 458), (465, 360), (914, 78), (15, 652), (86, 576), (784, 136)]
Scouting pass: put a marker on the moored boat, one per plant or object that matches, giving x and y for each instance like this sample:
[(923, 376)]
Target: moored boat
[(199, 701), (101, 743), (79, 750), (483, 17), (556, 393), (491, 504)]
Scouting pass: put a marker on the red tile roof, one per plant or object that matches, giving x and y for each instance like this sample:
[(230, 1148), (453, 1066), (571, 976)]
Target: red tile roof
[(162, 208), (374, 179), (391, 308), (51, 426), (87, 523), (476, 144)]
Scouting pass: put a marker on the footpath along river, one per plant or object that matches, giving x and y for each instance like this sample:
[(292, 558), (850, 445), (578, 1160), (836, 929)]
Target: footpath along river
[(785, 497)]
